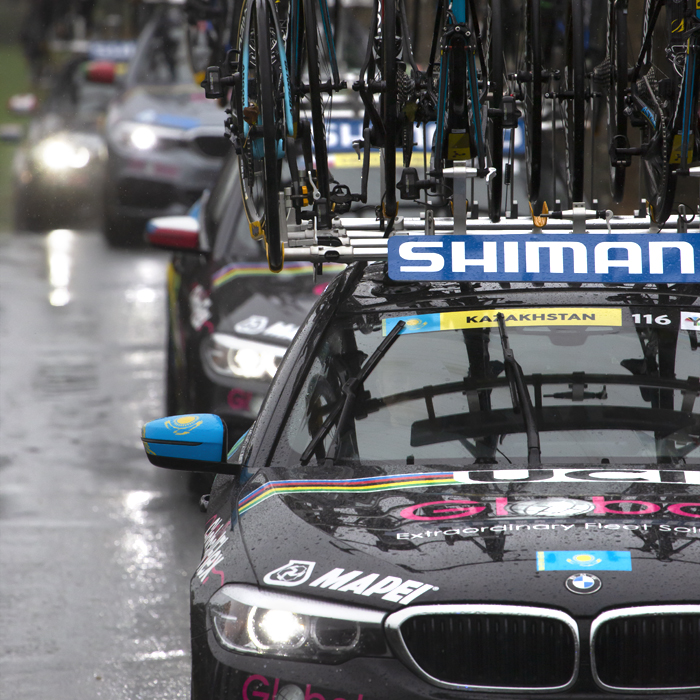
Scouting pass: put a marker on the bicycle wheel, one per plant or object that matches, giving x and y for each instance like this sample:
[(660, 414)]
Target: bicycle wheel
[(616, 93), (659, 181), (495, 123), (532, 104), (262, 121), (319, 60), (660, 94), (574, 101), (389, 99)]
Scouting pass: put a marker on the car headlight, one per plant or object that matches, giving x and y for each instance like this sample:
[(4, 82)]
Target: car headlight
[(250, 621), (137, 136), (231, 356), (59, 153)]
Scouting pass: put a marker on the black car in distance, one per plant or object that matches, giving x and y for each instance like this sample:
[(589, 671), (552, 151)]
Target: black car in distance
[(460, 490)]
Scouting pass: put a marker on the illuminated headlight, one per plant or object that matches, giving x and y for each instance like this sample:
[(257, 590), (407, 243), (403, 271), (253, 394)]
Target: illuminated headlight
[(250, 621), (237, 357), (144, 137), (61, 154)]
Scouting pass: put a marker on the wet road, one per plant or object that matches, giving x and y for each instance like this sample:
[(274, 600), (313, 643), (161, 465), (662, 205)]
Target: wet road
[(96, 545)]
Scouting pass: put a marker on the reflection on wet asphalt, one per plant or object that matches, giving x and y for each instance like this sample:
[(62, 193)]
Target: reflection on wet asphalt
[(96, 546)]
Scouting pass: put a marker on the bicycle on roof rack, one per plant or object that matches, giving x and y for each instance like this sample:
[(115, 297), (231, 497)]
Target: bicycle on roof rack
[(461, 90), (284, 64), (658, 95)]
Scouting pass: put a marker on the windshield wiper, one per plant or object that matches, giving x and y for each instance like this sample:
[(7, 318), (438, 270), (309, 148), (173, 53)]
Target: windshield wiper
[(346, 403), (520, 396)]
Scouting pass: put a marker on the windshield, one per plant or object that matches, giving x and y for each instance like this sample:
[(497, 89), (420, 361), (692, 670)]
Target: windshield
[(606, 386)]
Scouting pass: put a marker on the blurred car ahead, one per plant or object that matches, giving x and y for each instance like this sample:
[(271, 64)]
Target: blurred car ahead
[(165, 140), (60, 165)]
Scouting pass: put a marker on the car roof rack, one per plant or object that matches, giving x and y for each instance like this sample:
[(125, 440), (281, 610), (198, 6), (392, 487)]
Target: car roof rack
[(353, 239)]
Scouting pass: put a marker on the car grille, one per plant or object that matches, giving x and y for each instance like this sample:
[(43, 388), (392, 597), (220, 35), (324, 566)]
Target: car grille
[(651, 648), (487, 646), (213, 146)]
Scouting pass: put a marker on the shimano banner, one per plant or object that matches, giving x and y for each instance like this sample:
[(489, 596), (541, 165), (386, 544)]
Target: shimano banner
[(618, 258)]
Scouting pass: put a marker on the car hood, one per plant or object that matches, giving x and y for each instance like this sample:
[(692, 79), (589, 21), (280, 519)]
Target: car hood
[(273, 318), (178, 106), (388, 537)]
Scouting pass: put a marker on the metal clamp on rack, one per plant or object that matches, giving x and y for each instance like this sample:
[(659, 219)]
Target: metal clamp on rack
[(460, 173), (579, 215), (353, 238)]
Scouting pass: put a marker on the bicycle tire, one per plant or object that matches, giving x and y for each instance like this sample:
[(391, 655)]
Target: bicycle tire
[(574, 103), (658, 133), (660, 183), (318, 125), (616, 92), (389, 99), (532, 106), (259, 162), (495, 122)]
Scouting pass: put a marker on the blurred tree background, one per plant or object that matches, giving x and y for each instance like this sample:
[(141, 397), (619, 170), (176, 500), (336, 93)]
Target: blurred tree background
[(14, 79)]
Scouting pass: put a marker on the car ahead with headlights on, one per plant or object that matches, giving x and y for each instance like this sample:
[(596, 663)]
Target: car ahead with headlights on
[(476, 474), (60, 165), (230, 319), (165, 140)]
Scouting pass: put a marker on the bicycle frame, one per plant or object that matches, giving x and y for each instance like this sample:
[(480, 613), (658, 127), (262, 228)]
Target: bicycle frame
[(682, 119), (458, 43)]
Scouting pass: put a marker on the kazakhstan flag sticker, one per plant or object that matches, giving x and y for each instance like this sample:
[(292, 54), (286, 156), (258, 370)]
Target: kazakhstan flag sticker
[(584, 561)]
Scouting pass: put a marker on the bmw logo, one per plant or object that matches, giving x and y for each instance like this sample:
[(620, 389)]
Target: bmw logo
[(583, 583)]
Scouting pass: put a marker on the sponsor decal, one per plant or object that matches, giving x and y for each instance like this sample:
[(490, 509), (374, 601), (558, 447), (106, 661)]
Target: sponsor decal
[(259, 687), (543, 316), (253, 325), (391, 588), (183, 425), (256, 325), (583, 583), (200, 305), (687, 531), (214, 539), (577, 560), (239, 400), (293, 573), (613, 258), (690, 321), (501, 506), (494, 476)]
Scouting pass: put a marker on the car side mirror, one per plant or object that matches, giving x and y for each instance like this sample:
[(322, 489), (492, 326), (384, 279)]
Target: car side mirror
[(101, 72), (178, 233), (194, 442)]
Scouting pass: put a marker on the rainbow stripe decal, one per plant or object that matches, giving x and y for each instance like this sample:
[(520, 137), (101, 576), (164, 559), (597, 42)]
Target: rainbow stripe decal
[(374, 483), (249, 269)]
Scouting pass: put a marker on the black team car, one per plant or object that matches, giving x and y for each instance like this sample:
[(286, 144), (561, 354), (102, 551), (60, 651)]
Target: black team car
[(230, 319), (460, 489)]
